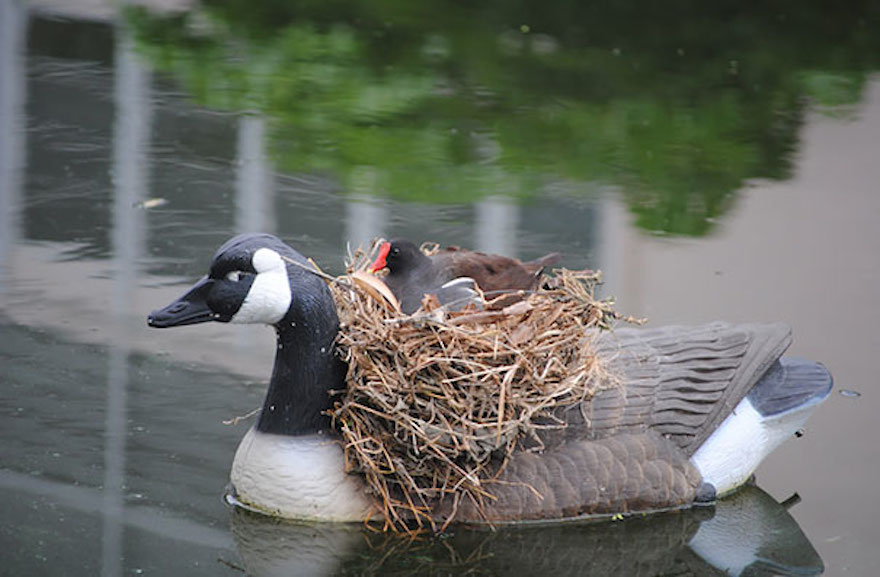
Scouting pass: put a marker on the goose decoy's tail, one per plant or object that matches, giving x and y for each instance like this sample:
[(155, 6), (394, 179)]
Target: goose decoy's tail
[(774, 410), (791, 384)]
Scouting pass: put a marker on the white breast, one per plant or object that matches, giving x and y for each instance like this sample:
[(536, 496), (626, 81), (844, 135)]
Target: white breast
[(300, 477)]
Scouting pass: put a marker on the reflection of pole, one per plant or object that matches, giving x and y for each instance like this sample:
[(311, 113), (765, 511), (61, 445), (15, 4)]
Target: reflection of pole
[(618, 253), (497, 222), (13, 31), (253, 198), (130, 166), (364, 219), (365, 213)]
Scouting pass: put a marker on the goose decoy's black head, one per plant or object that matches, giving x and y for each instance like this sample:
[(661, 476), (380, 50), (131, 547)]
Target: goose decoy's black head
[(253, 279)]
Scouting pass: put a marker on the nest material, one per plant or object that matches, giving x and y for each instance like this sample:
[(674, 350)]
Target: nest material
[(436, 402)]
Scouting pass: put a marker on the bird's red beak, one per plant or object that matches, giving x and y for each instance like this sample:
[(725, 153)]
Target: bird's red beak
[(381, 261)]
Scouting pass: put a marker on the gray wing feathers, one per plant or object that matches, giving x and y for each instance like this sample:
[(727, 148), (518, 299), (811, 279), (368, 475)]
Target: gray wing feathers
[(790, 383), (681, 381)]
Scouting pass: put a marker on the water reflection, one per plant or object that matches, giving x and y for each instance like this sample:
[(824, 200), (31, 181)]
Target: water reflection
[(749, 534), (455, 104), (131, 165), (496, 223), (13, 38), (254, 187)]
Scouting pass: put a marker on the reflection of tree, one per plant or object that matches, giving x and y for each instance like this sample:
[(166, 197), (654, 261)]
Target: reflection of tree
[(449, 102)]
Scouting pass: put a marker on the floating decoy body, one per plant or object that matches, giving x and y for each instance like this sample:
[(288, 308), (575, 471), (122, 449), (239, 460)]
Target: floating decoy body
[(697, 410)]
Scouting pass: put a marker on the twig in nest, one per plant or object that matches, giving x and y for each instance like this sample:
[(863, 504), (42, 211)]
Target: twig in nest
[(238, 419)]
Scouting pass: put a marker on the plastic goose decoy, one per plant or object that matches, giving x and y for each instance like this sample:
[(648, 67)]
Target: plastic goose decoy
[(698, 410)]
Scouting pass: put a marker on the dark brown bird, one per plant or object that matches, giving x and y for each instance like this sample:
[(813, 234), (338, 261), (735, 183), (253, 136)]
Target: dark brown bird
[(412, 274)]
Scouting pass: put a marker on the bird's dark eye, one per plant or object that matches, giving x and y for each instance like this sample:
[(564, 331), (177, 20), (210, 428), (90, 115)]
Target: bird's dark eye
[(235, 275), (395, 250)]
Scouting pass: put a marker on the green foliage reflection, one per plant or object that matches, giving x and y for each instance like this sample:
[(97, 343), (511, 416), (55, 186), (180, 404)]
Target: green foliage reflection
[(448, 102)]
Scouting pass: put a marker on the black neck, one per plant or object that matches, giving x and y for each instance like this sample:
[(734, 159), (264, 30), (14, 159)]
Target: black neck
[(420, 260), (306, 371)]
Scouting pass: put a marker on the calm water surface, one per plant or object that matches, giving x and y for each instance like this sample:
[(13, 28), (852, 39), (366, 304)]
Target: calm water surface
[(714, 163)]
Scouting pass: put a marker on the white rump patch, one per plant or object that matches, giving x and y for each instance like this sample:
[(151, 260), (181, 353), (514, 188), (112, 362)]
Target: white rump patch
[(464, 282), (460, 292), (269, 297), (729, 457)]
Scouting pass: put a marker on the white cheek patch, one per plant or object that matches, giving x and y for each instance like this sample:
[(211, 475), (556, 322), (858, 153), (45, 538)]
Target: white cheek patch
[(267, 260), (269, 298)]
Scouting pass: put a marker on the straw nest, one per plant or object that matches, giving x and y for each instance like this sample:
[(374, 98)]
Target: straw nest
[(437, 401)]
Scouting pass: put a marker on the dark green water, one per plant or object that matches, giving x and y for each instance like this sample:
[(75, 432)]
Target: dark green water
[(716, 161)]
